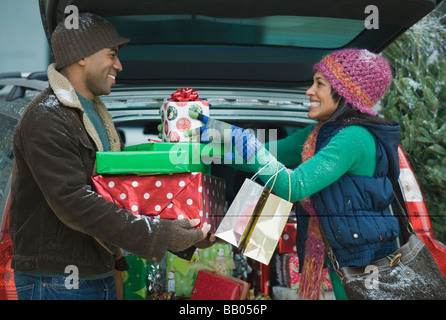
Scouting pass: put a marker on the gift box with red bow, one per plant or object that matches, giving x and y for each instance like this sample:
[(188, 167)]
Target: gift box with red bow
[(175, 114), (214, 286), (176, 196)]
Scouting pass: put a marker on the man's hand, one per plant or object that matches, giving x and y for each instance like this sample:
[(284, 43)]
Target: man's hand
[(160, 128), (184, 235), (205, 228)]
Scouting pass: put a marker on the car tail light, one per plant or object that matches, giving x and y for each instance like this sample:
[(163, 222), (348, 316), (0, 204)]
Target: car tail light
[(413, 198), (7, 285), (417, 211)]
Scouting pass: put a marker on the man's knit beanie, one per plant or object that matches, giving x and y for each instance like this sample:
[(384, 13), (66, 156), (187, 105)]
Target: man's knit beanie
[(72, 44), (358, 75)]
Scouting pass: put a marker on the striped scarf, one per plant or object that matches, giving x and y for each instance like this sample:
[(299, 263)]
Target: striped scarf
[(312, 273)]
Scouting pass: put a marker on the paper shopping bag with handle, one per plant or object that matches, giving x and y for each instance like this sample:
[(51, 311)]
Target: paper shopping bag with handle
[(255, 220), (265, 234), (234, 226)]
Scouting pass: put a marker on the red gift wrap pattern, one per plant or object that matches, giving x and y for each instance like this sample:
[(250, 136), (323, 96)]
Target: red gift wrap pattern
[(259, 277), (292, 271), (176, 196), (214, 286), (287, 242)]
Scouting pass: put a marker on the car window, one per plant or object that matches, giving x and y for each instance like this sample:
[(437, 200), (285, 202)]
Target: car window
[(295, 31)]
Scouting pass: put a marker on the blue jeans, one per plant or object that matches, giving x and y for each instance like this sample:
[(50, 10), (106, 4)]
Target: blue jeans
[(31, 287)]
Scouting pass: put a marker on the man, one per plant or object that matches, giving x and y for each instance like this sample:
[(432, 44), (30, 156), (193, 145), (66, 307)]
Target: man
[(58, 224)]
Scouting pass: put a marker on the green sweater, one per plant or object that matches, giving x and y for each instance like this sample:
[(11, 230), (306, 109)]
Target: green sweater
[(352, 150)]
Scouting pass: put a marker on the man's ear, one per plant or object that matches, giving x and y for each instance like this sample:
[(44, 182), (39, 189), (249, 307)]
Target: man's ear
[(82, 62)]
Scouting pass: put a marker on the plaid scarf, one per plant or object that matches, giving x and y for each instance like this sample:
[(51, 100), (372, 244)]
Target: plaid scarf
[(312, 273)]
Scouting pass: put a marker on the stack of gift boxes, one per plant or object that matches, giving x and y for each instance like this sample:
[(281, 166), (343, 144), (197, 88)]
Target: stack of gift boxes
[(169, 180)]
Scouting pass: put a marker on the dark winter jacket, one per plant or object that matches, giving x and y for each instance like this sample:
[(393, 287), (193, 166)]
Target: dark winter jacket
[(56, 219), (353, 210)]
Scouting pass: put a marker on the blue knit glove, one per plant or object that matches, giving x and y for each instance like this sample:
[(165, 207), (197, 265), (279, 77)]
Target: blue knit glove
[(244, 141)]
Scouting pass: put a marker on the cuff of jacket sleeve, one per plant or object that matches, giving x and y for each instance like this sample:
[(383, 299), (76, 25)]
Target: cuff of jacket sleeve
[(186, 254), (159, 240), (121, 264)]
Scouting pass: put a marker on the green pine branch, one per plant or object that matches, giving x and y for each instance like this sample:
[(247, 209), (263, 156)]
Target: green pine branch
[(417, 100)]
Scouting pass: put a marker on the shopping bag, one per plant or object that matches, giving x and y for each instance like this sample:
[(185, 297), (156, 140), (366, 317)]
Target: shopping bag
[(267, 230), (234, 227), (255, 220)]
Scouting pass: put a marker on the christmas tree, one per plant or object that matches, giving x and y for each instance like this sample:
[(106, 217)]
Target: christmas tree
[(417, 100)]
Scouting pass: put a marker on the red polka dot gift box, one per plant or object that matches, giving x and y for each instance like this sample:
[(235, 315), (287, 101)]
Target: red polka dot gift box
[(287, 242), (176, 196)]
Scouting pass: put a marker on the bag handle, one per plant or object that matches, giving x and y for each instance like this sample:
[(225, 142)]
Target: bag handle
[(409, 226), (257, 173), (275, 177)]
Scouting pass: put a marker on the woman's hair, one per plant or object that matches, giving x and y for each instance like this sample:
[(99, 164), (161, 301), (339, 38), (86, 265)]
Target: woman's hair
[(345, 114)]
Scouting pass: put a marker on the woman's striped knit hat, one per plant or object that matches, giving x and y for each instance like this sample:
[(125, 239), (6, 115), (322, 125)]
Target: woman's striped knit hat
[(358, 75)]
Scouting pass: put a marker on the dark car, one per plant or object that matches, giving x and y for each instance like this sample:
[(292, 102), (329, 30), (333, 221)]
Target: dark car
[(252, 60)]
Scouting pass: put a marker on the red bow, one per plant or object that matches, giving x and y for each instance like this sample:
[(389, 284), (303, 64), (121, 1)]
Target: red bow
[(184, 95)]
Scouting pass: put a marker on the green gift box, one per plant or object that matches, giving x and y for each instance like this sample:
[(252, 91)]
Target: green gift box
[(158, 158), (181, 274), (135, 278)]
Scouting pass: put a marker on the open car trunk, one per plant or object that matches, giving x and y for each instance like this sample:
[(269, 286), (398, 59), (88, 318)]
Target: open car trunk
[(243, 42)]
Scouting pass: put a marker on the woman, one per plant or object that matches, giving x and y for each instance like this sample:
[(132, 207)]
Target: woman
[(349, 162)]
